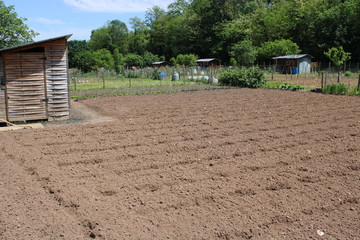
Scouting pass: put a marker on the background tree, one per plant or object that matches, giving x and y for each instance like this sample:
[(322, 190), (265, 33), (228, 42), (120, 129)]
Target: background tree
[(186, 59), (244, 53), (133, 60), (13, 30), (75, 47), (337, 56), (119, 61), (111, 36), (270, 49)]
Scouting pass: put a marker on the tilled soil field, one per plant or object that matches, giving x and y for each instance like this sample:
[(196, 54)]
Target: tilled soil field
[(221, 164)]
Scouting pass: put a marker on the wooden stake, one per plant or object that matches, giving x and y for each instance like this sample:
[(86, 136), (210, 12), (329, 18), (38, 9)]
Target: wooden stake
[(358, 86), (339, 77)]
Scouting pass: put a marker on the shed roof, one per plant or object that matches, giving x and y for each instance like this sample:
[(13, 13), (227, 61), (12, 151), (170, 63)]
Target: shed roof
[(206, 60), (292, 56), (158, 63), (35, 43)]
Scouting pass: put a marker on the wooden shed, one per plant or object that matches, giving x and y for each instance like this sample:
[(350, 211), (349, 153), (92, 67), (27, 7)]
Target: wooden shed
[(208, 62), (293, 64), (34, 81)]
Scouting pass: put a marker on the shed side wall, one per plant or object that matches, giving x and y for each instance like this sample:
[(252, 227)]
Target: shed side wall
[(57, 80), (305, 65), (2, 92)]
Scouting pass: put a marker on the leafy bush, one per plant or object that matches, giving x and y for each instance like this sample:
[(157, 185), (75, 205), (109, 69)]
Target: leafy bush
[(337, 56), (286, 86), (155, 75), (347, 74), (335, 88), (243, 77)]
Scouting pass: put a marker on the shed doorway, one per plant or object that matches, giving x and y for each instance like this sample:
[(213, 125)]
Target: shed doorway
[(26, 85)]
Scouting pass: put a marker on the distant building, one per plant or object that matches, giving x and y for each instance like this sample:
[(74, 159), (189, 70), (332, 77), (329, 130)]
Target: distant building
[(293, 64), (208, 62), (160, 64)]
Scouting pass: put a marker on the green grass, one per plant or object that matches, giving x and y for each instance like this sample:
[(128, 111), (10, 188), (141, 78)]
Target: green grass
[(92, 83), (340, 89)]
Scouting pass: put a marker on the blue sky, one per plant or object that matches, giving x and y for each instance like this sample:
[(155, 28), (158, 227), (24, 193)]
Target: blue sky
[(53, 18)]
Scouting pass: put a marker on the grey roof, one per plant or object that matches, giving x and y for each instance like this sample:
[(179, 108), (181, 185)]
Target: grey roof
[(35, 43), (292, 56), (207, 60), (158, 63)]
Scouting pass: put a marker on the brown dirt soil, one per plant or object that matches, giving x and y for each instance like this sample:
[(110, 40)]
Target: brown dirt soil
[(222, 164)]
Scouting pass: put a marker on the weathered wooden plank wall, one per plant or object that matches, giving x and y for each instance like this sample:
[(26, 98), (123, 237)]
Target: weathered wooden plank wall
[(25, 87), (57, 79), (2, 92)]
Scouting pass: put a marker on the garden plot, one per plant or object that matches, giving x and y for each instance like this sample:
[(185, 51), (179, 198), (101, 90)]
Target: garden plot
[(222, 164)]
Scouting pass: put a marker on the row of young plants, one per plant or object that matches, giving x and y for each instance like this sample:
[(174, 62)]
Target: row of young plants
[(255, 78)]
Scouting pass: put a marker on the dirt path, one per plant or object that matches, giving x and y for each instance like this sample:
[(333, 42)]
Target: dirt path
[(224, 164)]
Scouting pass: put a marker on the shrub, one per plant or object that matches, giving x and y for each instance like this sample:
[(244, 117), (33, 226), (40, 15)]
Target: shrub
[(335, 88), (243, 77), (347, 74)]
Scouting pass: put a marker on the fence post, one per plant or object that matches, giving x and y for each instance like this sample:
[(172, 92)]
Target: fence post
[(339, 77), (358, 86), (326, 78), (322, 80), (74, 79)]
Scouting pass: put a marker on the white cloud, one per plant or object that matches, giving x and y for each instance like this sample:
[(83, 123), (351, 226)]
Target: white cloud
[(78, 33), (48, 21), (117, 6)]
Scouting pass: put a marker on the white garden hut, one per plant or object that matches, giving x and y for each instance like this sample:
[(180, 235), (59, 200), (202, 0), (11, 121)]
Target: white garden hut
[(293, 64)]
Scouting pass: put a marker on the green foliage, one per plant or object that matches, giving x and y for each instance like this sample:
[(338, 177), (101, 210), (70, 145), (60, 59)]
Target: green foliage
[(155, 75), (243, 77), (84, 61), (337, 56), (277, 48), (119, 61), (335, 88), (133, 60), (75, 47), (173, 61), (13, 30), (149, 58), (186, 59), (233, 62), (111, 36), (244, 53), (285, 86), (103, 59), (348, 74)]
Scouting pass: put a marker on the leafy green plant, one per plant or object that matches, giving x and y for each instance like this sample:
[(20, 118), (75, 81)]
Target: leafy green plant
[(347, 74), (155, 75), (286, 86), (335, 88), (337, 56), (243, 77)]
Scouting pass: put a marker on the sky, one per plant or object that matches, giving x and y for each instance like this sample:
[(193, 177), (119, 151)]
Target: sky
[(54, 18)]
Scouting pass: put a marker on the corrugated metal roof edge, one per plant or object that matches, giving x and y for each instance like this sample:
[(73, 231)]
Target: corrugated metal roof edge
[(35, 43), (206, 59), (295, 56)]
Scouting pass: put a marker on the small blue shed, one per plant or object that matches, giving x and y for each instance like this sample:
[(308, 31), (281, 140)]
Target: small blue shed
[(293, 64)]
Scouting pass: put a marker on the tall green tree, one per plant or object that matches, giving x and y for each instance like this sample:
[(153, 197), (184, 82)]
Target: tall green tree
[(111, 36), (244, 53), (75, 47), (270, 49), (13, 30)]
